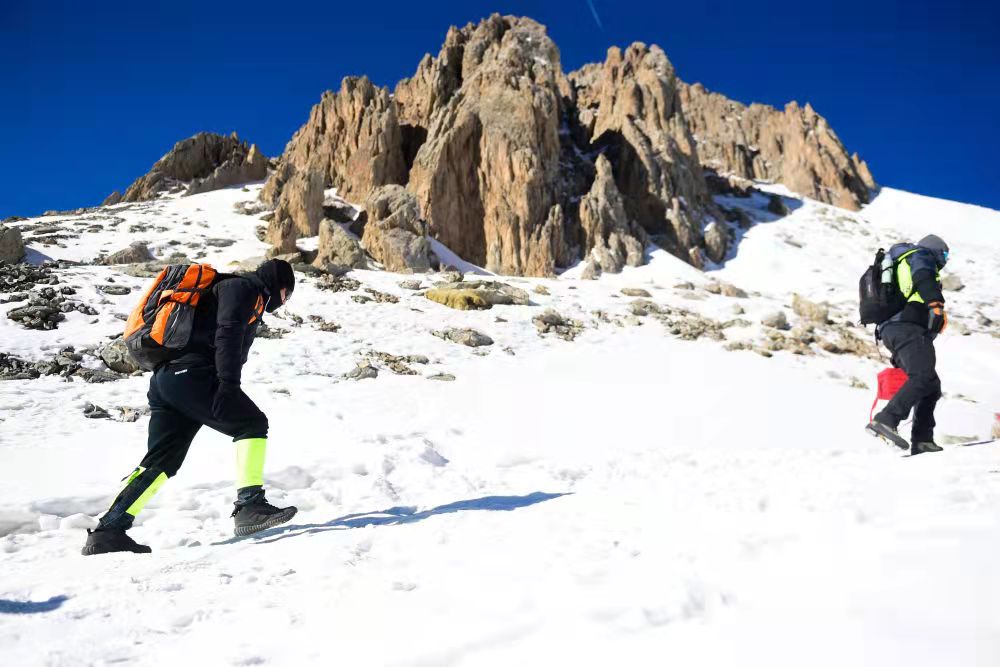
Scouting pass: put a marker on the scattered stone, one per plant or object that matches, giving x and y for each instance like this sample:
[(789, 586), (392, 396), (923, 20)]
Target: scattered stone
[(445, 377), (468, 337), (775, 320), (270, 333), (19, 277), (644, 307), (361, 298), (219, 243), (952, 283), (135, 253), (252, 207), (687, 286), (411, 284), (115, 290), (551, 322), (323, 325), (451, 275), (857, 383), (635, 291), (382, 297), (116, 356), (776, 204), (810, 311), (333, 283), (15, 298), (398, 364), (542, 289), (478, 295), (459, 299), (91, 411), (39, 317), (363, 371)]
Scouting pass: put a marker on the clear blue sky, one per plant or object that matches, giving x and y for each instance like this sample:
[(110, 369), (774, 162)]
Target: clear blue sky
[(92, 93)]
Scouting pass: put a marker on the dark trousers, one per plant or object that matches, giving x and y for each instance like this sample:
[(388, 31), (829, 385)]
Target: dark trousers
[(912, 350), (180, 402)]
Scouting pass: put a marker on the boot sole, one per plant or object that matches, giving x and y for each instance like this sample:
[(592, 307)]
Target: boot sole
[(894, 440), (97, 551), (276, 520)]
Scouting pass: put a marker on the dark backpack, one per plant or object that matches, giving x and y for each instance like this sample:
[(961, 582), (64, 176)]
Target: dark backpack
[(880, 297), (160, 325)]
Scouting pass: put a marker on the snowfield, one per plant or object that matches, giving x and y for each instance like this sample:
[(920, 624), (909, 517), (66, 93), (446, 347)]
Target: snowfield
[(628, 497)]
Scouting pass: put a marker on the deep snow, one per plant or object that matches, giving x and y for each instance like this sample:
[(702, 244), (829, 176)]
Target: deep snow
[(625, 498)]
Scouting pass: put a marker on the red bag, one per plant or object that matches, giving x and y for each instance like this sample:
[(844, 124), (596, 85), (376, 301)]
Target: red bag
[(890, 381)]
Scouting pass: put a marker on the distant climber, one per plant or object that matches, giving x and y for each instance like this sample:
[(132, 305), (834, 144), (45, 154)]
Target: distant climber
[(194, 329), (917, 317)]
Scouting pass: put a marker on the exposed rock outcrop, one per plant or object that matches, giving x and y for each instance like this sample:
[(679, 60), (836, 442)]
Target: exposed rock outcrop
[(136, 252), (339, 249), (112, 199), (630, 108), (794, 146), (11, 245), (487, 176), (612, 239), (298, 200), (198, 162), (395, 235), (238, 169), (352, 139)]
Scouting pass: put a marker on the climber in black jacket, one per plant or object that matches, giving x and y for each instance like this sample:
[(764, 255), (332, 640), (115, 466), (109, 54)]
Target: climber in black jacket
[(909, 335), (201, 387)]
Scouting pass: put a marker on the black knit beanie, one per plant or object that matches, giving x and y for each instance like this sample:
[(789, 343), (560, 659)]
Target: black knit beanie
[(276, 274)]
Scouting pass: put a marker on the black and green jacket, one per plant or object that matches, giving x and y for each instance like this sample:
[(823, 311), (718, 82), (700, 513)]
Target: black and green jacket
[(919, 279)]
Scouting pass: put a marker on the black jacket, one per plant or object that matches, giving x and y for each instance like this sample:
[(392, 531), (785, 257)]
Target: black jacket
[(923, 266), (225, 324)]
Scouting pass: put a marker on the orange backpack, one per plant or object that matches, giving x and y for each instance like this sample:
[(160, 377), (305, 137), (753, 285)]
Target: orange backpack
[(160, 325)]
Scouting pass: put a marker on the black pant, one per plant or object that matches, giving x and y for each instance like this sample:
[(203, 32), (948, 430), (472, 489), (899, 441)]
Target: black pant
[(912, 350), (180, 402)]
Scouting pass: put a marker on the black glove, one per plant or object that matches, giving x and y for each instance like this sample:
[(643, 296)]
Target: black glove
[(937, 319), (226, 398)]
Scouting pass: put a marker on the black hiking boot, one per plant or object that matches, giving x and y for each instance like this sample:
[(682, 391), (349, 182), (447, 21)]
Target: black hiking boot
[(258, 514), (924, 447), (111, 540), (887, 434)]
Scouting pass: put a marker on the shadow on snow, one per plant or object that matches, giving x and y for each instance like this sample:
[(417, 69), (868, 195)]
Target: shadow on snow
[(28, 607), (400, 515)]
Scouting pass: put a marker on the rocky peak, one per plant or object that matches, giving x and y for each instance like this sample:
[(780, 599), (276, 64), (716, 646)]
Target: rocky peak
[(352, 139), (487, 175), (795, 146), (630, 109), (200, 163)]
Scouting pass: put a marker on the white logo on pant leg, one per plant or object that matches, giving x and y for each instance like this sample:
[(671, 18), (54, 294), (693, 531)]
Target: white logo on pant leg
[(179, 372)]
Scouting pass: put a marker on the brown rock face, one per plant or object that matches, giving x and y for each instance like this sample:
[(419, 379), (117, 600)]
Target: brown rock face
[(609, 235), (339, 248), (302, 200), (629, 108), (395, 235), (795, 147), (11, 245), (195, 159), (112, 199), (352, 139), (241, 167), (487, 176)]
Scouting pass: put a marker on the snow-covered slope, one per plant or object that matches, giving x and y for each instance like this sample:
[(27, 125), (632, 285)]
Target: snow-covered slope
[(627, 497)]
